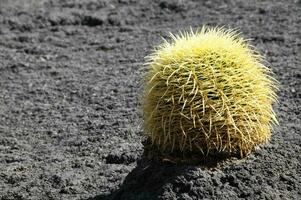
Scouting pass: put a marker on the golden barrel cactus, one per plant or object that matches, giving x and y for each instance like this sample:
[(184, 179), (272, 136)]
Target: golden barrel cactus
[(208, 91)]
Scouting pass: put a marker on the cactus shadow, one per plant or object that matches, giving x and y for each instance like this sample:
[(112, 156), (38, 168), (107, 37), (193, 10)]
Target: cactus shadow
[(148, 180)]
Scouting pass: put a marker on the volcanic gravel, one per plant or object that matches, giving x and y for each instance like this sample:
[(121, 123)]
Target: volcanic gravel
[(70, 82)]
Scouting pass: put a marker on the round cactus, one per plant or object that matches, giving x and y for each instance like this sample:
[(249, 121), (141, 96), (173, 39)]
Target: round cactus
[(208, 91)]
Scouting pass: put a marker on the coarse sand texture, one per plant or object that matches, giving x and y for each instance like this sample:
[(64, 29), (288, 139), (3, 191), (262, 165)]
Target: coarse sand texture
[(208, 91)]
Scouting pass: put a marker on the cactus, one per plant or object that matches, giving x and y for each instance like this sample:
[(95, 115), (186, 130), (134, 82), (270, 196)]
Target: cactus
[(208, 91)]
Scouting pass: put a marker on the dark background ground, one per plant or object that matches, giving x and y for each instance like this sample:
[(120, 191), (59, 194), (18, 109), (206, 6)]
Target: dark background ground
[(70, 126)]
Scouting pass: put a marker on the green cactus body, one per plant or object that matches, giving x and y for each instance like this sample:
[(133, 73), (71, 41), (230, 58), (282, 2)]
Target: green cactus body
[(208, 91)]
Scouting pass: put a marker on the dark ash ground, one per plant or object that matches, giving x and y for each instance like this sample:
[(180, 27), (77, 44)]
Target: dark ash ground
[(70, 126)]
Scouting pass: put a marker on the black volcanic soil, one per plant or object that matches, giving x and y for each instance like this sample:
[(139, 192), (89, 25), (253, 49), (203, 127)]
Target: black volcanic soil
[(70, 79)]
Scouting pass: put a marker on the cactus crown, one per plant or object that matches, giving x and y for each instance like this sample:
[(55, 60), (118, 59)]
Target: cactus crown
[(208, 91)]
